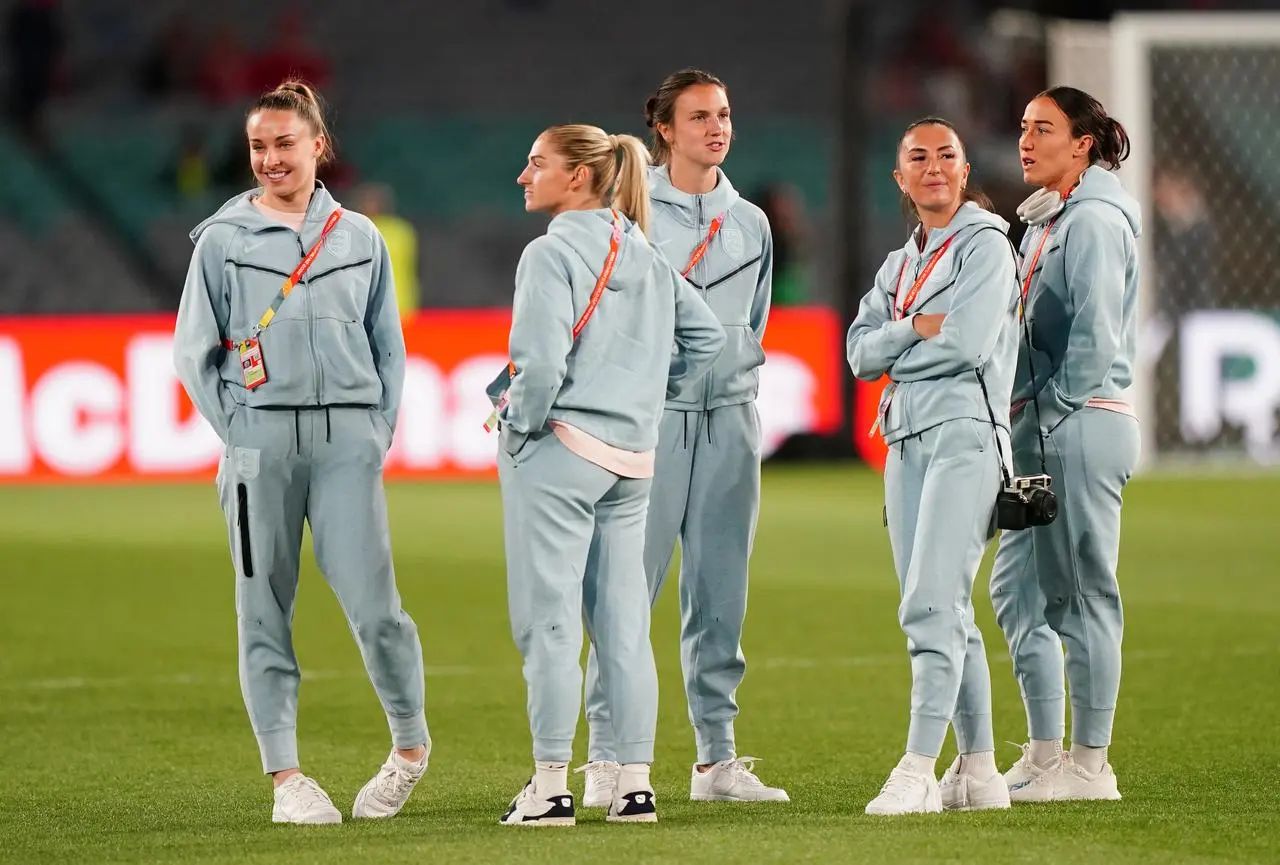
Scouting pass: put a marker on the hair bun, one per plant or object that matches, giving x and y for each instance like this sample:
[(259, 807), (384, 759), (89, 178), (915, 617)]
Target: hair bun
[(299, 88), (650, 105)]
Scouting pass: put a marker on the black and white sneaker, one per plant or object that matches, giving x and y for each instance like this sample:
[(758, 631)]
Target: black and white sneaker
[(530, 808), (635, 807)]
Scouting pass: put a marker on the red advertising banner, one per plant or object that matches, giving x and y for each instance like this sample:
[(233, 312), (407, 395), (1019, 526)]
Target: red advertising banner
[(96, 399)]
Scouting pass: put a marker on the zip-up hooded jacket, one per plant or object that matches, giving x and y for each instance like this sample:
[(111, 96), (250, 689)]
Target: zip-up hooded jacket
[(336, 340), (611, 382), (734, 276), (936, 380)]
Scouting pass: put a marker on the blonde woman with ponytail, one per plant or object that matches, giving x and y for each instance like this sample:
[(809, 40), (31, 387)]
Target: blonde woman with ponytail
[(596, 312)]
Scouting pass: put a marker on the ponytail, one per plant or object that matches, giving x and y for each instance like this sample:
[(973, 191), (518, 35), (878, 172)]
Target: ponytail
[(631, 191), (1088, 117), (618, 182)]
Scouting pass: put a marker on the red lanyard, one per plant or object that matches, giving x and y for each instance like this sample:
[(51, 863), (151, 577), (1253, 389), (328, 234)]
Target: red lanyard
[(1031, 267), (900, 309), (615, 239), (605, 272), (702, 247), (294, 278)]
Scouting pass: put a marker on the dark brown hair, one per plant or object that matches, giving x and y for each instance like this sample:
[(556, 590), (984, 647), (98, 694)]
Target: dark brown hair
[(1088, 117), (660, 107), (971, 193), (303, 100)]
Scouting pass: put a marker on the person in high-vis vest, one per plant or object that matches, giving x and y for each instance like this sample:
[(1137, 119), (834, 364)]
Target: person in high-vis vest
[(941, 323), (1055, 587), (706, 485), (288, 342), (602, 325)]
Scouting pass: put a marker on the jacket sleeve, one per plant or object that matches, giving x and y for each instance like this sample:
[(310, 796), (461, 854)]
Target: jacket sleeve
[(1095, 256), (198, 351), (875, 340), (386, 336), (983, 295), (764, 284), (541, 336), (699, 336)]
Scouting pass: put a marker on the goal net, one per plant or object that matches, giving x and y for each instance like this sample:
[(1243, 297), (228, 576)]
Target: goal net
[(1200, 97)]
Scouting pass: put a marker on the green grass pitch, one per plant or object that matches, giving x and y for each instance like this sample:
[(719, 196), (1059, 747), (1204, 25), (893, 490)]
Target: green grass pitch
[(123, 737)]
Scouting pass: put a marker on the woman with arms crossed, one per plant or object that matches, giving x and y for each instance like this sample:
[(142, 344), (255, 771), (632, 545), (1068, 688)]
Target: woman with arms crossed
[(941, 323)]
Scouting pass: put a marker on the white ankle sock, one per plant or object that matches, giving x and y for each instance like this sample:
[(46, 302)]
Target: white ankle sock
[(979, 764), (1090, 759), (1045, 751), (633, 777), (550, 779), (920, 764)]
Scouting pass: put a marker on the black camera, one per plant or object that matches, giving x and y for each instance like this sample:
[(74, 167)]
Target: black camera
[(1026, 501)]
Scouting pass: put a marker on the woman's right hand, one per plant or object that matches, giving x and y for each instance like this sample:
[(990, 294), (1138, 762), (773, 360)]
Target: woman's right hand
[(928, 325)]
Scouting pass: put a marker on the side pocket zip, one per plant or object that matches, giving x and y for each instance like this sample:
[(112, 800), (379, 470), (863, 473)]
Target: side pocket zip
[(242, 521)]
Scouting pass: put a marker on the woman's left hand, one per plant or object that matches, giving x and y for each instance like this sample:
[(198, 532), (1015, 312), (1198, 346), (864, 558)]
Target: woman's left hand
[(928, 325)]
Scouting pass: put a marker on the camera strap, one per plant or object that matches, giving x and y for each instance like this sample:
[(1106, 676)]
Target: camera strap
[(1026, 336), (995, 429), (1024, 295), (1035, 394)]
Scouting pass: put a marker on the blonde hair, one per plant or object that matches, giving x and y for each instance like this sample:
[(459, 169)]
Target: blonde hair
[(618, 165), (303, 100)]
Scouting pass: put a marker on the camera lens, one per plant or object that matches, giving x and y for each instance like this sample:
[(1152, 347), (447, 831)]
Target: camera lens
[(1045, 504)]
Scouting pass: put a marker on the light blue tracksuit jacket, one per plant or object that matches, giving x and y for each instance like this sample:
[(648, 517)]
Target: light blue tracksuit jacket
[(944, 469), (307, 445), (574, 531), (1055, 586)]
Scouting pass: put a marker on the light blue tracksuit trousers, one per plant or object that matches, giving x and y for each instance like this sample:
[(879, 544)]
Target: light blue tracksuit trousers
[(574, 537), (940, 493), (1055, 586), (706, 493), (281, 467)]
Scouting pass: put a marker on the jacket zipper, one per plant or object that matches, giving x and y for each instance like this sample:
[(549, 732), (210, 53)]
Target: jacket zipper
[(311, 322), (706, 296)]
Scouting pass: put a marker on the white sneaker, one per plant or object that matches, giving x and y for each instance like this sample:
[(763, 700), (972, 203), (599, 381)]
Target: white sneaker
[(387, 791), (733, 781), (1030, 782), (301, 800), (1062, 780), (907, 792), (602, 777), (961, 791), (531, 808), (1078, 784)]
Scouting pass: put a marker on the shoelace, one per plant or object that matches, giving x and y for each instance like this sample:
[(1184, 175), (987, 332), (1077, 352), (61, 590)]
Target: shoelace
[(393, 784), (1024, 748), (596, 768), (743, 769), (307, 792), (900, 783)]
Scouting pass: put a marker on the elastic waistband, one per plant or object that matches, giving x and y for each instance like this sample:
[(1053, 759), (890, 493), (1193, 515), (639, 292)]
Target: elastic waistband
[(1116, 405)]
